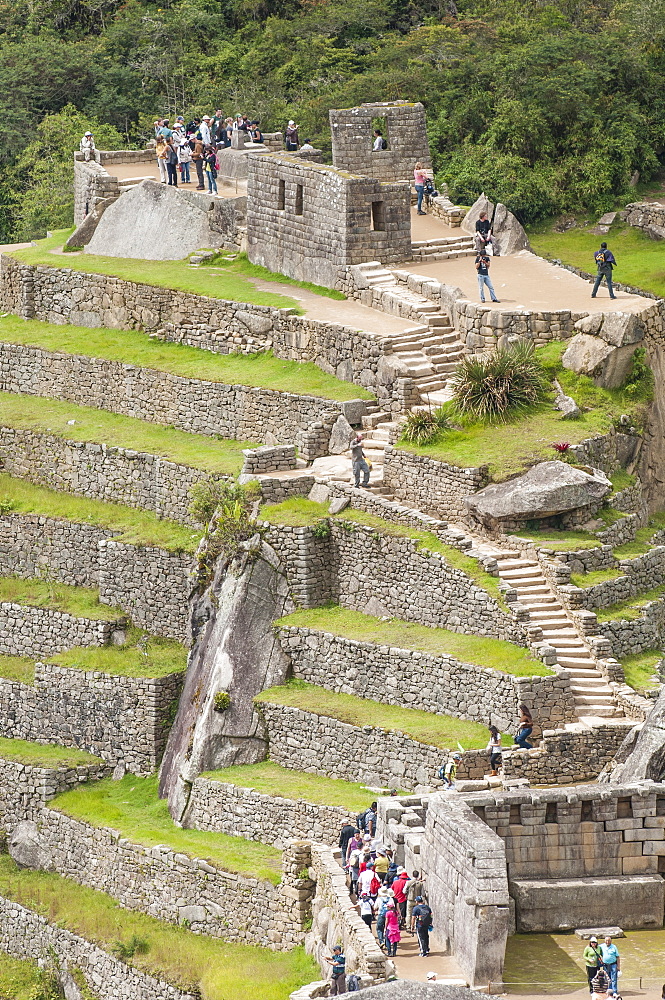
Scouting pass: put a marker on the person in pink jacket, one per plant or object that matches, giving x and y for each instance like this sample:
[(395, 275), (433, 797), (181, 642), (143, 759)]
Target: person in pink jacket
[(393, 935)]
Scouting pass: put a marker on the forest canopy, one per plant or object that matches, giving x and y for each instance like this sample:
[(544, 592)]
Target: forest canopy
[(548, 107)]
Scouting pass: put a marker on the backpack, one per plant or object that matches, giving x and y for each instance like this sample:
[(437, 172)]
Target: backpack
[(352, 983), (425, 916), (384, 144), (428, 185), (600, 258), (360, 820), (441, 773)]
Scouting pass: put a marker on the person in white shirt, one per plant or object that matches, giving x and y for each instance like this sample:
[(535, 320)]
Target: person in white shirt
[(379, 142), (365, 880), (88, 146), (204, 129), (495, 750)]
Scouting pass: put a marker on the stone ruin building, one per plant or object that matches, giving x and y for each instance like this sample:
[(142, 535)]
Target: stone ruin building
[(502, 855)]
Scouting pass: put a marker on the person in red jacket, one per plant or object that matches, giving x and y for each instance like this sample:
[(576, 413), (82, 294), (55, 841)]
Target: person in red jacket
[(399, 892)]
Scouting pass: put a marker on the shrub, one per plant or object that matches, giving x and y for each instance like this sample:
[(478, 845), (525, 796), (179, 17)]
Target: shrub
[(422, 426), (640, 382), (135, 946), (495, 385), (222, 701)]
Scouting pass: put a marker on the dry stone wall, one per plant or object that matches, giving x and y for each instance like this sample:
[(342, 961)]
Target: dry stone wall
[(149, 583), (643, 573), (174, 887), (31, 631), (648, 216), (434, 487), (271, 819), (354, 564), (92, 183), (120, 719), (25, 789), (441, 684), (404, 129), (59, 295), (101, 472), (25, 934), (231, 411), (627, 636), (568, 756)]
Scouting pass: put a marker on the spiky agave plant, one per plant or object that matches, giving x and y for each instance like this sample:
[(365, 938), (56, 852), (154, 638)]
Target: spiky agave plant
[(496, 385)]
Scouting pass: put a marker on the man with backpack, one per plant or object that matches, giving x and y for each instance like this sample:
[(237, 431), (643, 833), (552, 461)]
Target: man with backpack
[(423, 917), (379, 142), (367, 820), (605, 261), (483, 269), (448, 771)]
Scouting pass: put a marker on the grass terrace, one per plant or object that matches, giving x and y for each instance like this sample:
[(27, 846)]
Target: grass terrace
[(442, 731), (560, 541), (263, 370), (133, 807), (175, 274), (45, 754), (640, 258), (300, 512), (141, 655), (84, 423), (492, 653), (80, 602), (129, 524), (595, 577), (272, 779), (193, 962), (512, 446), (17, 668), (640, 669), (241, 265), (631, 609), (21, 979)]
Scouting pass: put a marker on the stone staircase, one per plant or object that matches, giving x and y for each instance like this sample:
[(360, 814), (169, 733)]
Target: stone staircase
[(592, 693), (442, 248), (431, 350)]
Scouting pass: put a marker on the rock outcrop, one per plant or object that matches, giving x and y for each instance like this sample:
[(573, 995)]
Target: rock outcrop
[(547, 489), (604, 347), (642, 754), (27, 848), (509, 234), (235, 651)]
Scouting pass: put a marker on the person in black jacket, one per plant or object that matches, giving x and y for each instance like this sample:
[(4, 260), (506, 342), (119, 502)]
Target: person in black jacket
[(605, 261)]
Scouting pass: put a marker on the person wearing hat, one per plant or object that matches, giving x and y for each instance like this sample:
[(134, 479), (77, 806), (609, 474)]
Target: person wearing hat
[(431, 977), (399, 891), (393, 936), (414, 889), (381, 864), (384, 896), (291, 137), (593, 959), (338, 962), (204, 130), (87, 147), (450, 770), (423, 918)]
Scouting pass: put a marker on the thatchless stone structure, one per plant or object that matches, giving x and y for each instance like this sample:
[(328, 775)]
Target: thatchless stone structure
[(310, 221), (404, 129)]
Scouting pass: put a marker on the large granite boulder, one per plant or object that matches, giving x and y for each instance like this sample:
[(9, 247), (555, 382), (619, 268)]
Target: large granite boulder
[(547, 489), (481, 204), (27, 848), (641, 756), (509, 234), (86, 230), (604, 346), (409, 989)]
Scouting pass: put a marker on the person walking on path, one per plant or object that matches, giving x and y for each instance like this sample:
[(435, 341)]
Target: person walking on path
[(383, 900), (210, 167), (495, 750), (359, 464), (593, 959), (448, 772), (419, 177), (414, 890), (611, 961), (172, 162), (87, 146), (184, 158), (524, 729), (338, 962), (345, 835), (393, 936), (423, 917), (605, 261), (367, 910), (399, 892), (199, 163), (483, 270)]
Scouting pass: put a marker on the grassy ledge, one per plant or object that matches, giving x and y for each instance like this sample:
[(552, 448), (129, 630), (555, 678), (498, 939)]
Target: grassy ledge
[(560, 541), (630, 609), (17, 668), (22, 979), (241, 265), (592, 579), (141, 655), (52, 416), (80, 602), (272, 779), (45, 754), (492, 653), (190, 961), (129, 524), (263, 370), (300, 512), (516, 444), (132, 806), (640, 669), (424, 727), (175, 274)]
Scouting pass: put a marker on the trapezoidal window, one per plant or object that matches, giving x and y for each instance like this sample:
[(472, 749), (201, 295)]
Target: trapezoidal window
[(378, 217), (298, 202), (281, 195)]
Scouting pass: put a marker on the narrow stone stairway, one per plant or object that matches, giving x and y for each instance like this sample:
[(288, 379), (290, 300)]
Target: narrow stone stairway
[(442, 248), (592, 693)]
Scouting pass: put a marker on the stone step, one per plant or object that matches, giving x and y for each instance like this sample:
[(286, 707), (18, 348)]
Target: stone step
[(543, 602), (561, 626), (533, 590), (586, 684), (545, 614), (596, 699), (374, 419)]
